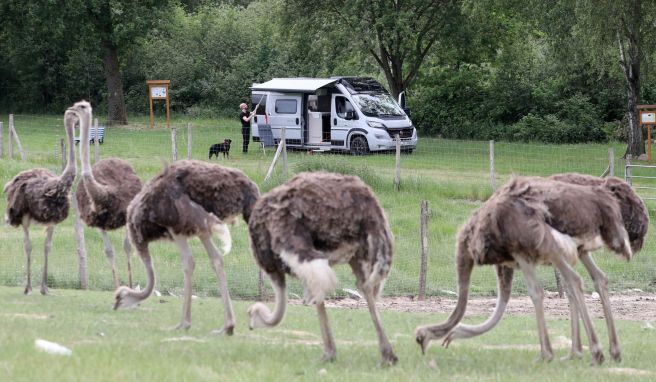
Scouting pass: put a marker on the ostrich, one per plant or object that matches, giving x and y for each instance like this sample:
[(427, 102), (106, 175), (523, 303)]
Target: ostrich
[(188, 198), (39, 196), (307, 225), (104, 192), (535, 221), (636, 221)]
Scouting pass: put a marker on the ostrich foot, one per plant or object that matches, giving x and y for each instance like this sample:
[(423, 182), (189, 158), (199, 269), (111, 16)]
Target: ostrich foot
[(597, 357), (184, 325), (328, 356), (389, 358), (227, 330), (616, 355), (44, 290), (28, 290), (573, 355), (544, 357)]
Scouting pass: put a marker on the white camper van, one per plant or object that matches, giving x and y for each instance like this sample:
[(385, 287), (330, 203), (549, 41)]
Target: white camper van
[(353, 114)]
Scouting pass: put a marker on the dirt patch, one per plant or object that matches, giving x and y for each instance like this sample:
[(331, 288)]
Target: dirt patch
[(633, 306)]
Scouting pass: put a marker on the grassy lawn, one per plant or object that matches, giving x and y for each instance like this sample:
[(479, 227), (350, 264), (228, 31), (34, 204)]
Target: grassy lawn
[(453, 176), (139, 345)]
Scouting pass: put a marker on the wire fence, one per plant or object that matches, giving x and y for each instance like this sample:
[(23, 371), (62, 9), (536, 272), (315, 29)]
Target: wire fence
[(453, 177)]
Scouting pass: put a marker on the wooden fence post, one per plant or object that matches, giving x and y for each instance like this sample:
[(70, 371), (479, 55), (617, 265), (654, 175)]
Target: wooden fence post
[(174, 144), (627, 170), (11, 137), (493, 180), (12, 128), (283, 141), (397, 176), (189, 140), (611, 161), (424, 250)]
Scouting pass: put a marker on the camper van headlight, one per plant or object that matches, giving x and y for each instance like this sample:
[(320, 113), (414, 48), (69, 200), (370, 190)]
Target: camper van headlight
[(377, 125)]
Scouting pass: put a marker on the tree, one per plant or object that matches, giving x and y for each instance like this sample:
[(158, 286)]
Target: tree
[(117, 25), (43, 36), (397, 34), (628, 27), (611, 34)]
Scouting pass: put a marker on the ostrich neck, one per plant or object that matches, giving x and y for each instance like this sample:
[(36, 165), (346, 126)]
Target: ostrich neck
[(85, 123), (70, 169)]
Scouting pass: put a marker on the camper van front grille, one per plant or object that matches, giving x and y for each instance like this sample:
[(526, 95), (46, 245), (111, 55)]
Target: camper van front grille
[(403, 133)]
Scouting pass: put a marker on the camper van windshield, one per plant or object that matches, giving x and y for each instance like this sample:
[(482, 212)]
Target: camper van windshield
[(378, 105)]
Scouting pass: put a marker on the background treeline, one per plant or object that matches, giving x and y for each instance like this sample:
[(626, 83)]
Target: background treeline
[(493, 70)]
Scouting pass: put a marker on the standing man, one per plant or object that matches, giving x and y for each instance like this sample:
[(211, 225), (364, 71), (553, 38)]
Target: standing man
[(245, 119)]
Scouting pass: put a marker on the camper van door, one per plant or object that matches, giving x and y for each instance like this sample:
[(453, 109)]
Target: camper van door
[(344, 118), (285, 111)]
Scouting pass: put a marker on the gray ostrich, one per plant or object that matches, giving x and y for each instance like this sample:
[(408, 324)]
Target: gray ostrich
[(636, 222), (104, 192), (39, 196), (534, 221), (307, 225), (188, 198)]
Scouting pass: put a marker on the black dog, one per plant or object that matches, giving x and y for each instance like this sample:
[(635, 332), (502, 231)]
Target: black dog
[(224, 148)]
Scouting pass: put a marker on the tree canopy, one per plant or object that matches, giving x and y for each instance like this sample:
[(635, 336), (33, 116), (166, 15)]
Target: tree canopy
[(558, 71)]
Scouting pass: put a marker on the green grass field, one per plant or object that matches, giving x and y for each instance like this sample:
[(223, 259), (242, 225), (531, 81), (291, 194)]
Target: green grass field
[(139, 345), (453, 176)]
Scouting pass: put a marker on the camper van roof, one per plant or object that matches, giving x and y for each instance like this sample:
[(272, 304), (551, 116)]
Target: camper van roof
[(301, 85)]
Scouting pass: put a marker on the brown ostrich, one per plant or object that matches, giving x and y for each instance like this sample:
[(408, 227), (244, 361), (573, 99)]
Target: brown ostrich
[(534, 221), (636, 222), (39, 196), (104, 192), (188, 198), (307, 225)]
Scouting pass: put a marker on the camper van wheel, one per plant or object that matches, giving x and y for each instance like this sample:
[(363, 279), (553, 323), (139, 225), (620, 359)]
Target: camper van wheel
[(359, 145)]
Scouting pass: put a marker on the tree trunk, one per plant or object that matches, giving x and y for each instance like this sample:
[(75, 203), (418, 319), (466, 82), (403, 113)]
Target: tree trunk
[(116, 111), (636, 146)]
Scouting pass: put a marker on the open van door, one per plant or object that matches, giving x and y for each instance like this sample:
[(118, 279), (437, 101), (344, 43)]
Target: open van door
[(403, 104), (285, 111)]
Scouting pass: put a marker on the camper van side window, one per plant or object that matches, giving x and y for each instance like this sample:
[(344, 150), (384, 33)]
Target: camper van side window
[(342, 106), (286, 106)]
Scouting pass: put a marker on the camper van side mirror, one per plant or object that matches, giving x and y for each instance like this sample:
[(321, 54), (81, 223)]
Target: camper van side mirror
[(350, 115), (406, 110)]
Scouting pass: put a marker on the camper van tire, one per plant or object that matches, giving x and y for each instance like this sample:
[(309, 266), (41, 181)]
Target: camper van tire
[(359, 145)]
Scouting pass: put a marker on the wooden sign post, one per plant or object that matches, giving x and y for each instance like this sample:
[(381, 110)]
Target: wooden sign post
[(159, 89), (648, 117)]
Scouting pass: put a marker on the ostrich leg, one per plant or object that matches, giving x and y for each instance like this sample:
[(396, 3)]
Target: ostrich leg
[(216, 260), (329, 349), (48, 246), (575, 288), (188, 265), (601, 285), (27, 245), (387, 354), (537, 294), (109, 252)]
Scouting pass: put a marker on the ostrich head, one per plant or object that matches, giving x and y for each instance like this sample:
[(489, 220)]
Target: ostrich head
[(70, 118), (81, 108), (634, 212)]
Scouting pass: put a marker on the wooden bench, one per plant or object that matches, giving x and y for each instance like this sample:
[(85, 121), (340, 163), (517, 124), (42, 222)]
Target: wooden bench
[(92, 135)]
